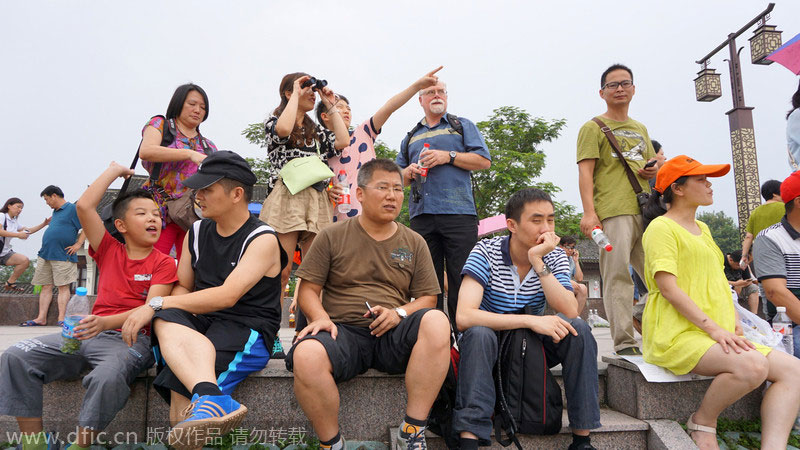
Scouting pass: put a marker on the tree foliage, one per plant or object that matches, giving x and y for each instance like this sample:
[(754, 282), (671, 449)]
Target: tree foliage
[(723, 230), (513, 137)]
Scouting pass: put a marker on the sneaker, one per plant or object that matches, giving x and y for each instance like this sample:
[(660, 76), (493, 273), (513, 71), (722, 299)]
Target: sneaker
[(630, 351), (328, 447), (277, 350), (206, 416), (411, 441)]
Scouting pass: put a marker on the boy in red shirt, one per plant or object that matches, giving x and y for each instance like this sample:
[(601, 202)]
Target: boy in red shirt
[(130, 274)]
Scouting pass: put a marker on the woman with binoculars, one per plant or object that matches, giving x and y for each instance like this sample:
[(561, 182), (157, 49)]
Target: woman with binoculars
[(292, 134)]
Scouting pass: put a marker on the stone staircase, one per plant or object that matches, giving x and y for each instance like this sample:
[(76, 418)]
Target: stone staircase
[(635, 414)]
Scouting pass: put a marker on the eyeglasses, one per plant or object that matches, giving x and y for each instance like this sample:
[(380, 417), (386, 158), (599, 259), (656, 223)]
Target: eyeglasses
[(615, 84), (386, 189), (439, 92)]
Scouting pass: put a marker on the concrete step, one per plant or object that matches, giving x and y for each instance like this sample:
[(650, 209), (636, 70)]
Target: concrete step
[(629, 392), (370, 404), (619, 431), (16, 308)]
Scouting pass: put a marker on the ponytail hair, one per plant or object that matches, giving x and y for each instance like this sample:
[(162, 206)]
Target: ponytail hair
[(658, 203)]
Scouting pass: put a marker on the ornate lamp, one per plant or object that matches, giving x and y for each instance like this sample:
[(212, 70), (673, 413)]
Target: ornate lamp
[(766, 39), (707, 85)]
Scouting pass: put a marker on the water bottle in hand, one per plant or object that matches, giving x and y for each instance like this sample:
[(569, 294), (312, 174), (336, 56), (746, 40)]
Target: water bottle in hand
[(601, 239), (344, 198), (77, 308), (783, 325), (423, 175)]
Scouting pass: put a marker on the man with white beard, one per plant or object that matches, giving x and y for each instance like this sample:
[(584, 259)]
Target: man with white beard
[(441, 204)]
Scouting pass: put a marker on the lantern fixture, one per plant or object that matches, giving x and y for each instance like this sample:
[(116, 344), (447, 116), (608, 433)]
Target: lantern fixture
[(765, 40), (707, 85)]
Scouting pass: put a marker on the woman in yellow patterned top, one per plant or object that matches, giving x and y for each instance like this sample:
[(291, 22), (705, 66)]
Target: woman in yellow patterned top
[(690, 324)]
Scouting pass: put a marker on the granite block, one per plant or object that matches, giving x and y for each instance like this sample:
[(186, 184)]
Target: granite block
[(628, 392), (62, 402), (668, 435)]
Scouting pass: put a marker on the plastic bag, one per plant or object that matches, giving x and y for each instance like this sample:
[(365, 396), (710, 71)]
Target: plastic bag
[(758, 330)]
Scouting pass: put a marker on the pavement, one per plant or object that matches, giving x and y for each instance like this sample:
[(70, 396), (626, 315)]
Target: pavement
[(9, 335)]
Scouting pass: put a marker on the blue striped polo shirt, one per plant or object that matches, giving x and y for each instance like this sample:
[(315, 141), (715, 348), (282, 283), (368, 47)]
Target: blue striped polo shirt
[(490, 264)]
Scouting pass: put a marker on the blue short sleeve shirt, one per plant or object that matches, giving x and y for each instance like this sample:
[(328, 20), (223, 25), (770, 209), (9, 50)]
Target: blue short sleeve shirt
[(448, 189), (62, 232)]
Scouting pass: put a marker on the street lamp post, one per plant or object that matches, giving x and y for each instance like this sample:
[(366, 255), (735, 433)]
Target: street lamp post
[(740, 118)]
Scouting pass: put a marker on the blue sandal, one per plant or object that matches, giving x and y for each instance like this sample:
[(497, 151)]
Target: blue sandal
[(30, 323)]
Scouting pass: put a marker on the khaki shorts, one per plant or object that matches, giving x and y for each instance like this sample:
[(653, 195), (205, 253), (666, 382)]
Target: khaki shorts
[(59, 273), (308, 211)]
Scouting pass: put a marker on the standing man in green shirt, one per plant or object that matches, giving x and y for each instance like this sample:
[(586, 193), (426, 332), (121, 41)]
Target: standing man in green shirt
[(762, 217), (609, 200), (765, 215)]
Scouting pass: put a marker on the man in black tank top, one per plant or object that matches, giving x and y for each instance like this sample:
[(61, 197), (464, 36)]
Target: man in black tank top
[(216, 326)]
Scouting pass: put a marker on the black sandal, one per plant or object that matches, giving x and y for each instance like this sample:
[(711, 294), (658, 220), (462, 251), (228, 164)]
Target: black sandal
[(12, 287)]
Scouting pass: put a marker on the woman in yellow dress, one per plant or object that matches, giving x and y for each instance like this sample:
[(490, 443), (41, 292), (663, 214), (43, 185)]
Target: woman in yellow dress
[(690, 323)]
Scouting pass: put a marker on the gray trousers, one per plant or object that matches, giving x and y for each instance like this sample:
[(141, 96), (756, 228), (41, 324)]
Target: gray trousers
[(28, 365)]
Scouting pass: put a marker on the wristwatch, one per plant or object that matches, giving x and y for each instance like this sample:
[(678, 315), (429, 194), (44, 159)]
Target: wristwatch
[(156, 303), (545, 271), (452, 157), (401, 312)]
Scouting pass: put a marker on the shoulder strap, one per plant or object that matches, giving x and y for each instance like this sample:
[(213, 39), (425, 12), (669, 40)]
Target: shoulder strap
[(637, 188), (456, 124), (170, 131), (404, 144)]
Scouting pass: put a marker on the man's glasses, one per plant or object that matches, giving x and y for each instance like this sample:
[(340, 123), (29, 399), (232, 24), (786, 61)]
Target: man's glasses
[(615, 84), (439, 92), (386, 189)]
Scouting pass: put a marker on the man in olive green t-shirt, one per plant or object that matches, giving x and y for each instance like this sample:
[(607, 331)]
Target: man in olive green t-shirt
[(763, 216), (609, 200), (370, 259)]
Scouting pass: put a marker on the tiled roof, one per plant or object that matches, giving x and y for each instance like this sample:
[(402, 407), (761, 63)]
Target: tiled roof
[(589, 251)]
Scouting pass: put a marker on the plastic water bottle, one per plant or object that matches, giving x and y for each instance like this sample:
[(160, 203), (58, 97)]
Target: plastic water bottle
[(423, 175), (344, 198), (77, 308), (590, 319), (783, 325), (601, 239)]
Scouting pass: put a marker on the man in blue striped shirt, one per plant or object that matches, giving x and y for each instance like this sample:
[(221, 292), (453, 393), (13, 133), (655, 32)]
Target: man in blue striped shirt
[(502, 277)]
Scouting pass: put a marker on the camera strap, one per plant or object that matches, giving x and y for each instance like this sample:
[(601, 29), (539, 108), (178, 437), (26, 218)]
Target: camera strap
[(637, 188)]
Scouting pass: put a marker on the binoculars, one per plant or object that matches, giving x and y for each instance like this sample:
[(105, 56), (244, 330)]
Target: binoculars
[(315, 84)]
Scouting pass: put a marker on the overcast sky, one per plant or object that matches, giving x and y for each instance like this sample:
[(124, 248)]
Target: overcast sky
[(79, 79)]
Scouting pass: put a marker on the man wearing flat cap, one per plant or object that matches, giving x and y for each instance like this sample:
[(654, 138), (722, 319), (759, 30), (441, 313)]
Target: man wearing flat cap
[(218, 324)]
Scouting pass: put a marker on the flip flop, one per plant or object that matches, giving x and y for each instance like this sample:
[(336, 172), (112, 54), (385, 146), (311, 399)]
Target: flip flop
[(30, 323), (60, 323), (12, 287)]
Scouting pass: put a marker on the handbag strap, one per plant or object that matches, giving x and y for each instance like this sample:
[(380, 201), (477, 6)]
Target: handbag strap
[(155, 173), (637, 188)]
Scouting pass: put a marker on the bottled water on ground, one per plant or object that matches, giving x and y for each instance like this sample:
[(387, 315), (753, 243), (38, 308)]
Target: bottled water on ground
[(77, 308)]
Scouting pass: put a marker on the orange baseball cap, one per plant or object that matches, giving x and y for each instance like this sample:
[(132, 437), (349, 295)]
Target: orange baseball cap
[(683, 165)]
